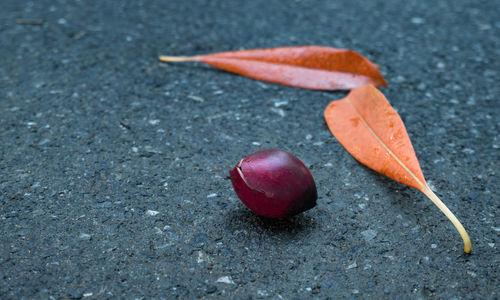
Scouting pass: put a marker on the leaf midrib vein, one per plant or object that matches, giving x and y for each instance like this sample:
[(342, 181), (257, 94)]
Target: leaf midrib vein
[(423, 185)]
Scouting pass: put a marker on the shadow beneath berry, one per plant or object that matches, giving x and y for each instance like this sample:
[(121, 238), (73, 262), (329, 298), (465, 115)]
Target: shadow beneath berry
[(244, 219)]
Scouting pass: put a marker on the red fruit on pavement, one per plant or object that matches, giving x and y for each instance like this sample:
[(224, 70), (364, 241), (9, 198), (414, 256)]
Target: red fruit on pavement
[(273, 183)]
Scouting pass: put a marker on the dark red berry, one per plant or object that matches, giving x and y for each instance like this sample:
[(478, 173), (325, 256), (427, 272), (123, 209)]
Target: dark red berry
[(273, 183)]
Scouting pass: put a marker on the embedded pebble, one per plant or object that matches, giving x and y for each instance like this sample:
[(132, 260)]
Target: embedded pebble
[(44, 142), (85, 236), (278, 111), (417, 20), (225, 279), (196, 98), (369, 234), (399, 79), (152, 212), (280, 103), (352, 266), (472, 274)]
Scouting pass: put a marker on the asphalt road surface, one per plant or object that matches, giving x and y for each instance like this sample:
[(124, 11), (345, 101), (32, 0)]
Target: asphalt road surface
[(114, 166)]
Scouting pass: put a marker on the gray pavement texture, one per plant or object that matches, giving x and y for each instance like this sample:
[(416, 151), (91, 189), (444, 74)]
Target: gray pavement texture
[(91, 208)]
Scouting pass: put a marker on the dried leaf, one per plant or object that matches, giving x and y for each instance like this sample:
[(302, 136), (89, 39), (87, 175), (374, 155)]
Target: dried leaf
[(309, 67), (371, 130)]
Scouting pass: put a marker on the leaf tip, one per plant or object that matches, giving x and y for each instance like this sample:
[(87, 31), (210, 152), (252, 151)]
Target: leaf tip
[(383, 82)]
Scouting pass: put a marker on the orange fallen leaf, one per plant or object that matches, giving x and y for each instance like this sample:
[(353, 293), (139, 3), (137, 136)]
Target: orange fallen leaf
[(309, 67), (371, 130)]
